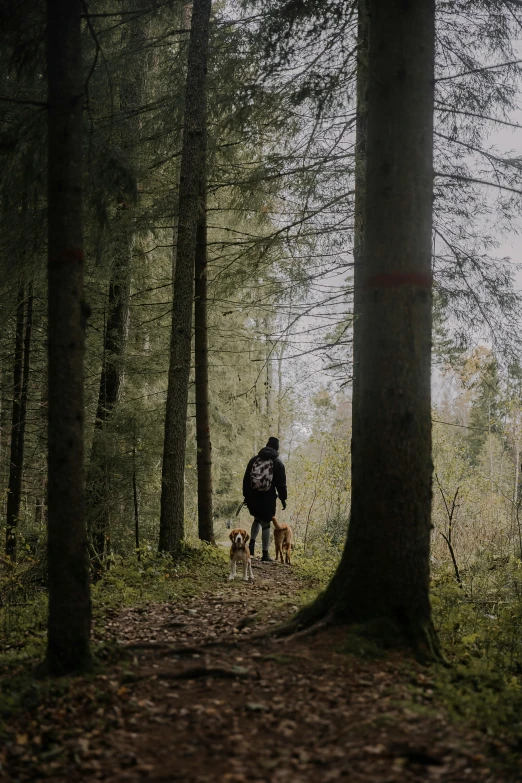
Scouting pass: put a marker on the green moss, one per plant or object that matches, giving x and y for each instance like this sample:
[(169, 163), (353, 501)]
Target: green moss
[(372, 639)]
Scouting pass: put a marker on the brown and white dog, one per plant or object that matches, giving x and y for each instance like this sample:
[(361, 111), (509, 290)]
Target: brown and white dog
[(239, 552), (283, 536)]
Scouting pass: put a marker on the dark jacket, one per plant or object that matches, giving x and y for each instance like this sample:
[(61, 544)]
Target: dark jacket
[(263, 504)]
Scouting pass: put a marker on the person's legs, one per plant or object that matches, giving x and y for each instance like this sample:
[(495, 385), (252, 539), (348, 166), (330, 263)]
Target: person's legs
[(265, 535), (254, 532), (266, 539)]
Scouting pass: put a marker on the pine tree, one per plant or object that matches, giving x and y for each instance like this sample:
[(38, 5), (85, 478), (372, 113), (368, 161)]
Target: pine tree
[(120, 247), (201, 381), (14, 492), (384, 572), (190, 188), (68, 647)]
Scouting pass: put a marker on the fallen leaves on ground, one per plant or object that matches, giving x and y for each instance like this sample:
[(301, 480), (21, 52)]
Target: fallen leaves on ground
[(241, 708)]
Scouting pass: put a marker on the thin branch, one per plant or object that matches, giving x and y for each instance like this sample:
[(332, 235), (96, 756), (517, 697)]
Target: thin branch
[(478, 70), (439, 106), (462, 178)]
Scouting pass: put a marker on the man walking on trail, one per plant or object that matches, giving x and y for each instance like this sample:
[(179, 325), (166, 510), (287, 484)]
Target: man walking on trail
[(264, 481)]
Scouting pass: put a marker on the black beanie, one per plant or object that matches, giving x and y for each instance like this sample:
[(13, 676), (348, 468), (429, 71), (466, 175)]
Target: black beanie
[(273, 443)]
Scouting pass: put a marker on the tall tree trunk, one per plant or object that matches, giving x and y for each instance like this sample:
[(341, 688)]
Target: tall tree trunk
[(190, 188), (384, 571), (269, 382), (203, 442), (363, 32), (25, 386), (98, 490), (40, 509), (14, 492), (5, 422), (135, 497), (280, 392), (69, 624)]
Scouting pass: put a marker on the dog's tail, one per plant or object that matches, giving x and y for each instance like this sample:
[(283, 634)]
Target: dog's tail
[(278, 526)]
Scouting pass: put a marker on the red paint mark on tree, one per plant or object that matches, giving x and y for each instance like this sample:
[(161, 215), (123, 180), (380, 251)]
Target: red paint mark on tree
[(400, 280), (71, 255)]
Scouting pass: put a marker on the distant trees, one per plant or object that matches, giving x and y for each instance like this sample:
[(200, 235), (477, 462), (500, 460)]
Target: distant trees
[(69, 594), (477, 451), (133, 137), (485, 409)]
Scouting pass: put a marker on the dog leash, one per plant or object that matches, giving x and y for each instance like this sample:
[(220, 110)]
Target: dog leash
[(244, 504)]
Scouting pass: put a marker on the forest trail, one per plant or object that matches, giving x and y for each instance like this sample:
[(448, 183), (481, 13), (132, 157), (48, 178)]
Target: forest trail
[(232, 707)]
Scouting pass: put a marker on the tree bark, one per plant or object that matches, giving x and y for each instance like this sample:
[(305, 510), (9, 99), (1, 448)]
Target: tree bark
[(135, 497), (203, 442), (269, 382), (98, 490), (384, 571), (361, 122), (69, 623), (40, 510), (190, 188), (5, 421), (280, 393), (14, 492)]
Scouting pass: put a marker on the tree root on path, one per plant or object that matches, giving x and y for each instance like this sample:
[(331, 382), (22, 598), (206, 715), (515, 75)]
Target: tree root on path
[(164, 646), (192, 673), (309, 620), (422, 641), (301, 632), (314, 619), (250, 618), (226, 641)]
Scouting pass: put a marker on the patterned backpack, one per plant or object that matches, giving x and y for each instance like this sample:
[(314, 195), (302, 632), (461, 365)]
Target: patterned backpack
[(262, 474)]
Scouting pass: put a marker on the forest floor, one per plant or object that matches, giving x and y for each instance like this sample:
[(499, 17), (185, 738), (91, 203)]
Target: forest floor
[(233, 707)]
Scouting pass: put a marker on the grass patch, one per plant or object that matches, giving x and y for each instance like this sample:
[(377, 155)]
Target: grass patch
[(156, 578), (318, 565)]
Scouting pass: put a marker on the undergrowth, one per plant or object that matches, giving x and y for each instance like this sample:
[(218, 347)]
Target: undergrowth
[(129, 582), (318, 563), (156, 578), (479, 624)]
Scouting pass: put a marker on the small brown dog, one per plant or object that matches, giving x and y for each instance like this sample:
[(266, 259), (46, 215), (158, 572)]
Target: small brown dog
[(283, 536), (239, 551)]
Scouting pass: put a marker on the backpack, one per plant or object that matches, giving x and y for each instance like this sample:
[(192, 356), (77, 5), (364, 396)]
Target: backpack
[(262, 474)]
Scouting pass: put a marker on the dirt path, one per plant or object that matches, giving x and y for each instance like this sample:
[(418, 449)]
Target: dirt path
[(248, 710)]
